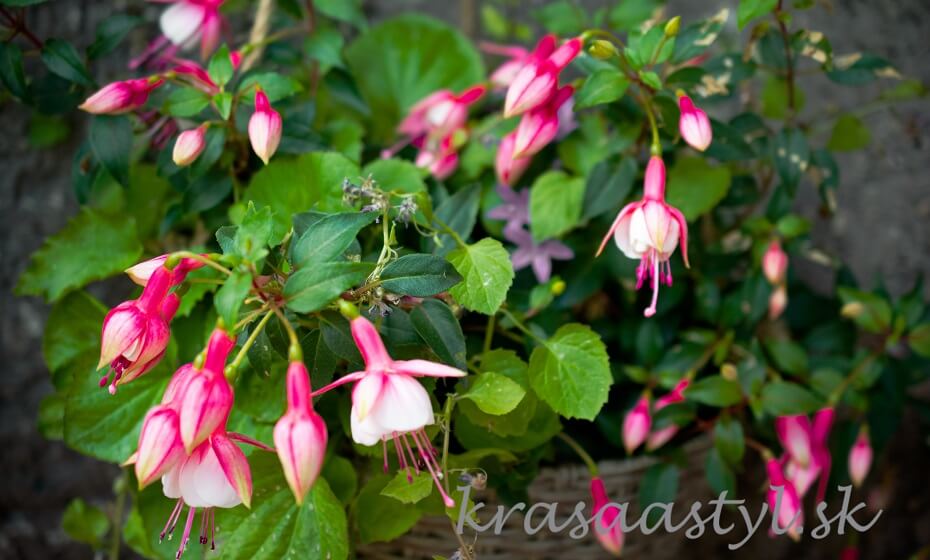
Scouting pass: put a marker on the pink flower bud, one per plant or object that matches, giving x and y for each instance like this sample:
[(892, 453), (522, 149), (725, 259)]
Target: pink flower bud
[(300, 435), (775, 263), (160, 446), (660, 437), (636, 425), (440, 113), (860, 458), (778, 301), (539, 127), (694, 124), (141, 272), (189, 145), (606, 520), (785, 504), (440, 158), (264, 128), (794, 433), (509, 169), (208, 397), (517, 56), (120, 97)]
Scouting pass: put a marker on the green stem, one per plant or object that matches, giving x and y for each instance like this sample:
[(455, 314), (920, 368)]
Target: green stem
[(451, 232), (447, 430), (656, 147), (576, 447), (205, 260), (115, 536), (253, 336), (489, 334), (521, 326), (294, 350)]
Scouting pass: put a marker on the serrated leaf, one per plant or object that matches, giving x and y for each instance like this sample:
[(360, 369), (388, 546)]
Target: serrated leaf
[(555, 204), (409, 491), (495, 393), (419, 275), (438, 327), (253, 233), (313, 288), (91, 247), (487, 274), (328, 238), (571, 372)]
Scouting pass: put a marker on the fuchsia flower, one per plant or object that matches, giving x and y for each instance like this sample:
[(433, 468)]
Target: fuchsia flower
[(160, 447), (189, 145), (860, 458), (120, 97), (503, 76), (778, 301), (264, 128), (636, 425), (509, 168), (536, 81), (694, 124), (389, 403), (649, 230), (775, 263), (440, 113), (300, 435), (660, 437), (140, 273), (608, 529), (440, 158), (540, 125), (794, 433), (807, 456), (784, 505), (187, 22), (135, 333), (207, 396)]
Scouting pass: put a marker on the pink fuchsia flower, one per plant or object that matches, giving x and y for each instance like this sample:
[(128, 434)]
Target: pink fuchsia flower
[(783, 501), (141, 272), (636, 425), (794, 433), (820, 432), (801, 476), (660, 437), (536, 81), (649, 230), (120, 97), (135, 333), (300, 435), (694, 125), (389, 403), (509, 168), (607, 527), (187, 22), (539, 126), (207, 396), (517, 57), (189, 146), (778, 301), (440, 114), (195, 74), (264, 128), (539, 255), (775, 263), (160, 447), (439, 157), (860, 458)]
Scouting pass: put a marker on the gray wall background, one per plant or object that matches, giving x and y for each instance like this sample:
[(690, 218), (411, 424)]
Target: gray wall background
[(881, 228)]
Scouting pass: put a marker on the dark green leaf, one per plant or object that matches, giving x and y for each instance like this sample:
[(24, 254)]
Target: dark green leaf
[(728, 439), (419, 275), (715, 391), (607, 187), (459, 212), (72, 329), (659, 486), (311, 289), (438, 327), (85, 523), (110, 32), (111, 140), (781, 398), (695, 187), (694, 39), (792, 155), (328, 238), (11, 70), (62, 59), (849, 133)]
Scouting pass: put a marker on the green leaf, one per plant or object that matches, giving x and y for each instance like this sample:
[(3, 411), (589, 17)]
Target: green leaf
[(495, 393), (406, 491), (349, 11), (381, 518), (91, 247), (789, 356), (396, 175), (228, 299), (110, 33), (870, 311), (919, 340), (651, 79), (751, 9), (459, 212), (253, 233), (47, 131), (775, 98), (659, 486), (419, 275), (340, 473), (695, 187), (607, 187), (438, 327), (849, 133), (555, 204), (85, 523), (11, 70), (858, 69), (72, 329), (186, 102), (276, 86), (571, 372), (402, 60), (693, 40), (220, 67), (603, 86), (328, 238), (290, 186), (111, 141), (223, 102), (62, 59), (720, 476), (792, 155), (728, 439), (311, 289), (715, 391), (530, 433), (782, 398), (487, 274)]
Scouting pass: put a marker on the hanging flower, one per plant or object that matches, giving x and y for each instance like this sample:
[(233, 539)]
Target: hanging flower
[(636, 425), (860, 458), (264, 128), (783, 501), (120, 97), (540, 126), (794, 433), (694, 125), (607, 527), (509, 168), (440, 114), (189, 146), (300, 435), (207, 397), (141, 272), (537, 80), (517, 57)]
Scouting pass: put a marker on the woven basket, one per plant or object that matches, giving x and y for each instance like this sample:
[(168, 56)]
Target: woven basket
[(566, 485)]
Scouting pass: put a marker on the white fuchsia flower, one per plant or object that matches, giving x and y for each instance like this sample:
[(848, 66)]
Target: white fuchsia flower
[(264, 128), (300, 435), (693, 124)]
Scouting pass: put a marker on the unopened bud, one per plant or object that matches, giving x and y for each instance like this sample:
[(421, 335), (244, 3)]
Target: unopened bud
[(852, 310), (348, 310), (602, 49), (557, 288), (671, 28), (728, 372)]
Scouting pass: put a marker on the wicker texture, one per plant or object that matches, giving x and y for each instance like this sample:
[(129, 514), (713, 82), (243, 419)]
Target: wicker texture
[(566, 485)]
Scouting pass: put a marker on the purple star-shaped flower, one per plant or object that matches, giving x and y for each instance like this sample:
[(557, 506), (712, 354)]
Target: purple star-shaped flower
[(539, 255), (515, 208)]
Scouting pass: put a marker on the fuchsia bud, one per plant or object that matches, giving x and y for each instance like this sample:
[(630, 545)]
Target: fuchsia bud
[(778, 301), (636, 425), (440, 113), (503, 76), (207, 397), (509, 169), (140, 273), (775, 263), (860, 458), (540, 126), (536, 81), (235, 57), (120, 97), (794, 433), (189, 145), (694, 125), (440, 158), (300, 435), (785, 505), (607, 527), (160, 446), (662, 436), (264, 128)]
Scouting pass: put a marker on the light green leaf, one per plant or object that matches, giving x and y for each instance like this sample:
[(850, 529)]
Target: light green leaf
[(751, 9), (571, 372), (379, 517), (396, 175), (220, 67), (695, 187), (419, 275), (693, 40), (313, 288), (487, 274), (919, 340), (555, 204), (276, 86), (603, 86), (91, 247), (849, 133), (85, 523), (186, 102), (228, 299), (495, 393), (409, 491)]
